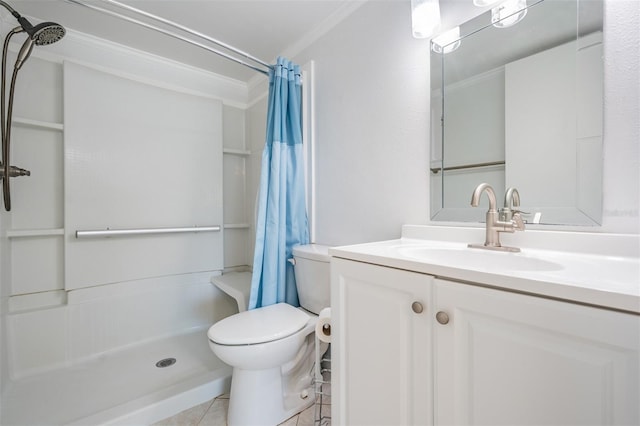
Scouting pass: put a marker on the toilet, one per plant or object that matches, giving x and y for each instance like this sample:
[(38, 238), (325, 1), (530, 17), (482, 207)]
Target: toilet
[(272, 349)]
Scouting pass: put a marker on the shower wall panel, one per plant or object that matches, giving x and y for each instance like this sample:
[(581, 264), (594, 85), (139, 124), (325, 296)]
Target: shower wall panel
[(139, 156)]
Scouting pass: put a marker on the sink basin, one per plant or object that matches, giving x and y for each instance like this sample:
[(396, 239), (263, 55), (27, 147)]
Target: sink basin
[(464, 257)]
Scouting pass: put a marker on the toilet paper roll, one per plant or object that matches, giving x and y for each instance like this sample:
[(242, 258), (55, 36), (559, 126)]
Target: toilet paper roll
[(323, 326)]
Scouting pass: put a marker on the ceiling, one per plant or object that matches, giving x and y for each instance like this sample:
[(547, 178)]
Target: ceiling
[(262, 28)]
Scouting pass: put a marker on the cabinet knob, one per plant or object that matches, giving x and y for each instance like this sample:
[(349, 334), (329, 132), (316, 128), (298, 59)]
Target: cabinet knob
[(442, 317), (417, 307)]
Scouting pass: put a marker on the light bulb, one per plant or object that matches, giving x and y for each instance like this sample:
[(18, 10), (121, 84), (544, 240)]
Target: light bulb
[(508, 13), (425, 17)]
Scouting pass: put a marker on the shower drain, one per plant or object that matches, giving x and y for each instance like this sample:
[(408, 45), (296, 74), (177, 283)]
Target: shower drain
[(167, 362)]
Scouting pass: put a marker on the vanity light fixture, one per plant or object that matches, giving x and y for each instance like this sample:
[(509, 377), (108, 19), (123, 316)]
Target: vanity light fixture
[(446, 42), (425, 17), (508, 13)]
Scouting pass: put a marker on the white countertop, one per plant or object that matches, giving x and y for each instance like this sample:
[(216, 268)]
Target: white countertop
[(573, 271)]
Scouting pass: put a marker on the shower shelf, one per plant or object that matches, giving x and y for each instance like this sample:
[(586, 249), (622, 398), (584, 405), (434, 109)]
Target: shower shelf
[(37, 124), (26, 233)]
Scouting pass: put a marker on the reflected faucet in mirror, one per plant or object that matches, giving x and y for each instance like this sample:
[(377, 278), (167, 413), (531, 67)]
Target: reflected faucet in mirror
[(505, 220), (511, 200)]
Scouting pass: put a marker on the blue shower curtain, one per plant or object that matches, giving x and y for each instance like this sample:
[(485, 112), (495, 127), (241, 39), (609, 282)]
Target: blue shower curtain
[(282, 218)]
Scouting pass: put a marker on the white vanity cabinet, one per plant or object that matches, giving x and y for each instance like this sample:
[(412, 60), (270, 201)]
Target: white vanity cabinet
[(475, 355), (382, 326), (507, 359)]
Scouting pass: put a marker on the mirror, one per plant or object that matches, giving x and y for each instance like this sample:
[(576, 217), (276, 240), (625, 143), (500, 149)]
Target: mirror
[(521, 106)]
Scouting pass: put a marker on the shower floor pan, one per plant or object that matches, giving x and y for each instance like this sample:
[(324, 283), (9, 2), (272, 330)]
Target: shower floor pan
[(123, 387)]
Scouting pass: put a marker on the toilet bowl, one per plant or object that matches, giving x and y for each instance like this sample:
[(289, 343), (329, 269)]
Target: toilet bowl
[(272, 349)]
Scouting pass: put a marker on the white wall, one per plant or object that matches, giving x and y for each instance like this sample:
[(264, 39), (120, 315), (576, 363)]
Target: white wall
[(372, 109), (372, 112), (621, 184)]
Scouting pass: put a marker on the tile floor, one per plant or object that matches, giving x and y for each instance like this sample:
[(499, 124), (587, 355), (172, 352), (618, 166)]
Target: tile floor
[(214, 413)]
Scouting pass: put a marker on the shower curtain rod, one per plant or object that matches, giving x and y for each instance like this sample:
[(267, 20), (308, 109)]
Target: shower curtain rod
[(178, 36)]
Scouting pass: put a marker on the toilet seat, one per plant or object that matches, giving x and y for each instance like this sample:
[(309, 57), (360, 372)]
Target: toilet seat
[(260, 325)]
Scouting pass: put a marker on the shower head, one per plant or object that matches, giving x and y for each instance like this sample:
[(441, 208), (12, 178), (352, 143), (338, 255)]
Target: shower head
[(47, 33), (44, 33), (41, 34)]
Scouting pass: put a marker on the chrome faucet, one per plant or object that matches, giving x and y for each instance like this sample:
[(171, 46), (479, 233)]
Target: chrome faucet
[(505, 220)]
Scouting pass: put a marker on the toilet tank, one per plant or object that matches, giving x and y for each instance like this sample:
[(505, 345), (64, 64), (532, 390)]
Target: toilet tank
[(312, 276)]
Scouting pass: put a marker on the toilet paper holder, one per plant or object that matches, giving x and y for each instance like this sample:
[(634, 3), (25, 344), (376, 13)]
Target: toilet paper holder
[(322, 374)]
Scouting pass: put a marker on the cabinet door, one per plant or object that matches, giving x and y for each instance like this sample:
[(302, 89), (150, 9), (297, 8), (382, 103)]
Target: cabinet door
[(512, 359), (381, 362)]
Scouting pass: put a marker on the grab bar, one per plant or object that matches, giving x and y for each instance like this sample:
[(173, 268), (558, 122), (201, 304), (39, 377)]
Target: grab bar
[(143, 231)]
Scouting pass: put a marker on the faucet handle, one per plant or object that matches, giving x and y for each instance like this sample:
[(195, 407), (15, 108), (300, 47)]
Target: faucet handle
[(505, 214), (517, 220), (514, 216)]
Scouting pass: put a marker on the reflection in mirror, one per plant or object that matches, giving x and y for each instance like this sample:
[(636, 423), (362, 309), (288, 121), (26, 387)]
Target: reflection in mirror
[(521, 106)]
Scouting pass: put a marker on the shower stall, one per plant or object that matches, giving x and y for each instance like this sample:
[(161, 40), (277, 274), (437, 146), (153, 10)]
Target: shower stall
[(105, 259)]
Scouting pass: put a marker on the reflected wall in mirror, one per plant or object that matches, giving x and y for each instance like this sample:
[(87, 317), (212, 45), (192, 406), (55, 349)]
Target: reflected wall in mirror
[(521, 106)]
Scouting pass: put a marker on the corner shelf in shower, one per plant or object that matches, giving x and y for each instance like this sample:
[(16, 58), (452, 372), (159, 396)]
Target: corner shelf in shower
[(37, 124), (26, 233)]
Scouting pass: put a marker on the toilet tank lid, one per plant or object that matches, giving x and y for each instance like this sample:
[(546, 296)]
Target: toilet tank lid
[(317, 252), (260, 325)]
